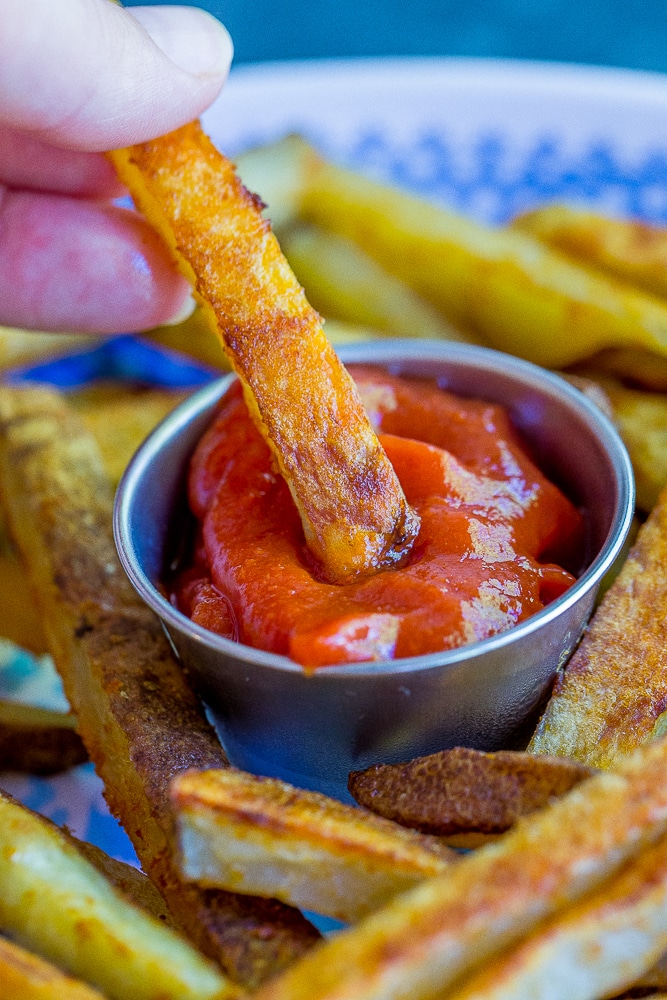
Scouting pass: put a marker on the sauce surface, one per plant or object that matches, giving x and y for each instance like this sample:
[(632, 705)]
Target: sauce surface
[(495, 534)]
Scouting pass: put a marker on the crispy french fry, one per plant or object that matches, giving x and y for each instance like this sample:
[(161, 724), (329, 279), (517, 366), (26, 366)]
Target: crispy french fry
[(132, 882), (632, 366), (24, 975), (463, 791), (500, 285), (343, 282), (54, 902), (452, 925), (600, 945), (355, 517), (611, 697), (19, 618), (264, 836), (137, 714), (631, 250), (37, 740)]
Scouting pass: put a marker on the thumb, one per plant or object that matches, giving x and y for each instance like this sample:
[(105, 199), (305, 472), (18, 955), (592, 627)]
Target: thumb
[(90, 75)]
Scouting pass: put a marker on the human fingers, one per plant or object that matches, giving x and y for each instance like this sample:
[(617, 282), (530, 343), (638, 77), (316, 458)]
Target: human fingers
[(71, 264), (32, 163), (90, 75)]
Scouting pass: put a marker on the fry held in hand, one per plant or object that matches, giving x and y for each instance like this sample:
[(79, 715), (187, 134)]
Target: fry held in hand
[(266, 837), (354, 514)]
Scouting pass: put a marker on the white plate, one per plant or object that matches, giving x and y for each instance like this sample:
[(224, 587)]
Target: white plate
[(488, 137)]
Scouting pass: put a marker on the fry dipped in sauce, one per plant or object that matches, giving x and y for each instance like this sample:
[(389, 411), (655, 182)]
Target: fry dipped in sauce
[(494, 535)]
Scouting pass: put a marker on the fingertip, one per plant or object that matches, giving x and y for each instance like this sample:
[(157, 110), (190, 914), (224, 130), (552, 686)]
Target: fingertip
[(191, 38)]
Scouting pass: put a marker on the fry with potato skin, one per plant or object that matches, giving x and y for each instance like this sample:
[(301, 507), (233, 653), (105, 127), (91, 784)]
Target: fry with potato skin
[(611, 697), (37, 740), (463, 791), (354, 514), (263, 836), (24, 975), (452, 925), (139, 718), (56, 903)]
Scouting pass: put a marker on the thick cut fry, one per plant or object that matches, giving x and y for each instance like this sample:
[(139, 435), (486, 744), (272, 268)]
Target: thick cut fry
[(137, 714), (499, 285), (19, 619), (465, 791), (354, 514), (56, 903), (263, 836), (25, 976), (632, 366), (24, 347), (37, 740), (425, 941), (634, 251), (343, 282), (597, 947), (612, 696)]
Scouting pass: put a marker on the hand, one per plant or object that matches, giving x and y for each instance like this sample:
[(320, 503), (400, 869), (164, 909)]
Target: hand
[(78, 77)]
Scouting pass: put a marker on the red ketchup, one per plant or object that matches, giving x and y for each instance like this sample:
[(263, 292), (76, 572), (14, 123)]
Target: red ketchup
[(494, 535)]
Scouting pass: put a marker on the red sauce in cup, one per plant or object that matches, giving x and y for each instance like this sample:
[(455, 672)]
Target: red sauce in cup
[(495, 534)]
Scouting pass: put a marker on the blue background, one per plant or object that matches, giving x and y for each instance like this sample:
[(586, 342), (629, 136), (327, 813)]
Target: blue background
[(604, 32)]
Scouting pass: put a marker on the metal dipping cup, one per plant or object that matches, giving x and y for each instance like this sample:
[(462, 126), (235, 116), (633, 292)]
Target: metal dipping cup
[(313, 729)]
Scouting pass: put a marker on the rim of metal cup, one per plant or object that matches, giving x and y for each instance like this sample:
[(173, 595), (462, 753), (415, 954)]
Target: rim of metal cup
[(393, 353)]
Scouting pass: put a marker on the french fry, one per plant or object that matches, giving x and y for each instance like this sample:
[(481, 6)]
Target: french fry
[(343, 282), (600, 945), (19, 618), (24, 975), (633, 251), (278, 170), (611, 697), (354, 514), (263, 836), (54, 902), (25, 347), (37, 740), (501, 286), (465, 792), (426, 940), (632, 366), (137, 714)]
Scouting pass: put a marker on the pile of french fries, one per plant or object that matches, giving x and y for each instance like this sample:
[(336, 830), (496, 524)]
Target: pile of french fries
[(569, 898)]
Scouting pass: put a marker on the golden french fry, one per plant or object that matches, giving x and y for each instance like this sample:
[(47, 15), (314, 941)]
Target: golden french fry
[(633, 251), (25, 976), (355, 517), (633, 366), (54, 902), (37, 740), (19, 618), (139, 718), (454, 924), (611, 697), (500, 285), (26, 347), (263, 836), (463, 791), (343, 282), (596, 948)]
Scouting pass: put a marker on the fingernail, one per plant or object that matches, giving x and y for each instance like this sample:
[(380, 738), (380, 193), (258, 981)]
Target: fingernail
[(186, 310), (192, 38)]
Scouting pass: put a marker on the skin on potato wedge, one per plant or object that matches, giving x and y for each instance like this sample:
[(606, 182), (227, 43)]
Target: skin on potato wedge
[(611, 697), (54, 902), (353, 511), (633, 251), (137, 714), (29, 977), (501, 286), (38, 740), (426, 940), (462, 791), (263, 836), (599, 946), (343, 282)]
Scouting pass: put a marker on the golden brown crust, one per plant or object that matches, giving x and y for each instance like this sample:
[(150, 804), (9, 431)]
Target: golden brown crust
[(24, 975), (465, 791), (355, 517), (612, 696), (138, 716)]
